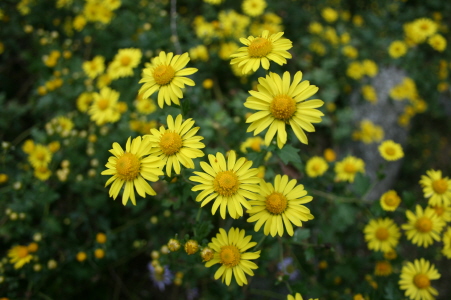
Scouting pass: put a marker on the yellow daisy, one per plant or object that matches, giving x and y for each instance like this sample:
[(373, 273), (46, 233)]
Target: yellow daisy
[(423, 227), (390, 200), (280, 102), (397, 49), (124, 62), (347, 168), (40, 156), (316, 166), (19, 256), (280, 205), (443, 212), (446, 251), (230, 253), (416, 279), (42, 173), (381, 234), (297, 296), (84, 101), (146, 106), (423, 28), (390, 150), (253, 8), (177, 144), (104, 108), (437, 42), (255, 144), (436, 188), (94, 67), (132, 168), (229, 183), (166, 75), (383, 268), (260, 50)]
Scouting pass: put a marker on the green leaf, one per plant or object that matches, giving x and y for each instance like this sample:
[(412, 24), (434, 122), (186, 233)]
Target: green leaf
[(288, 154), (301, 234), (361, 184)]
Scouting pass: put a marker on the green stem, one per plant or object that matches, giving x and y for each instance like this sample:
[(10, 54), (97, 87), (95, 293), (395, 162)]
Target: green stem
[(260, 243)]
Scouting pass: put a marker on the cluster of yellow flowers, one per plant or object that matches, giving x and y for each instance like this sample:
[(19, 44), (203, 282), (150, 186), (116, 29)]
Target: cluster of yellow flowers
[(40, 157), (423, 227)]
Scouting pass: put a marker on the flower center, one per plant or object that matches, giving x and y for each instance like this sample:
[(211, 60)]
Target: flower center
[(282, 107), (170, 143), (316, 167), (229, 256), (440, 186), (276, 203), (127, 166), (259, 47), (103, 104), (22, 251), (350, 168), (256, 145), (125, 60), (439, 210), (391, 200), (226, 183), (382, 234), (421, 281), (424, 224), (390, 151), (40, 156), (163, 74)]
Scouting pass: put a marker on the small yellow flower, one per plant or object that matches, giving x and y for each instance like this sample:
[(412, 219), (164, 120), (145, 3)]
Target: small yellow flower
[(81, 256), (390, 200), (99, 253), (347, 168), (191, 247), (391, 151), (101, 238), (316, 166)]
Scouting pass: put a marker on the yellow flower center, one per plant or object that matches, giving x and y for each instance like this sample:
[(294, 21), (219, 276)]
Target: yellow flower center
[(440, 186), (282, 107), (276, 203), (259, 47), (424, 224), (229, 256), (316, 167), (40, 156), (103, 104), (125, 60), (127, 166), (22, 251), (170, 143), (163, 74), (350, 168), (390, 151), (391, 200), (382, 234), (439, 210), (256, 145), (421, 281), (226, 183)]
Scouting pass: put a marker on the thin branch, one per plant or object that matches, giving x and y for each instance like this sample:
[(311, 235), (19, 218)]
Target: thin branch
[(175, 37)]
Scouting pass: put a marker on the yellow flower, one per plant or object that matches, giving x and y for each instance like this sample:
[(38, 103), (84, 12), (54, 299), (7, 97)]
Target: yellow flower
[(132, 168), (390, 200), (369, 93), (260, 50), (350, 51), (253, 8), (316, 166), (369, 132), (423, 226), (315, 28), (423, 28), (81, 256), (443, 212), (297, 296), (397, 49), (177, 144), (230, 252), (28, 146), (94, 67), (40, 156), (437, 42), (436, 188), (229, 183), (191, 247), (255, 144), (347, 168), (146, 106), (101, 238), (42, 173), (165, 74), (383, 268), (104, 108), (381, 234), (79, 22), (84, 101), (390, 150), (199, 52), (19, 256), (124, 62), (99, 253), (416, 279), (446, 251), (227, 49), (280, 205), (330, 155), (355, 70), (370, 68), (329, 14), (279, 102)]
